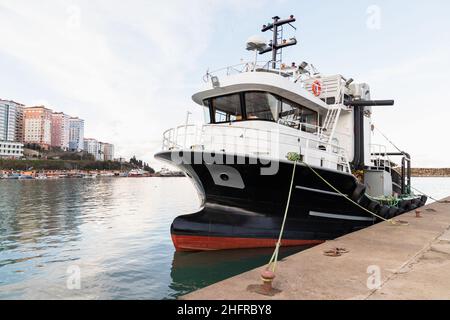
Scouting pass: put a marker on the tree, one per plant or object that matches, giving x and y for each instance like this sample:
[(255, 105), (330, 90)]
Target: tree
[(148, 168)]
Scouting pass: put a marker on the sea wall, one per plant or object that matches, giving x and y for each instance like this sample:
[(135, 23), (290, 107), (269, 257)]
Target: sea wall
[(431, 172)]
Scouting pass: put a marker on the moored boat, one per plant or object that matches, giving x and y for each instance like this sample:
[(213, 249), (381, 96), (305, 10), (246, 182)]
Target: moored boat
[(274, 130)]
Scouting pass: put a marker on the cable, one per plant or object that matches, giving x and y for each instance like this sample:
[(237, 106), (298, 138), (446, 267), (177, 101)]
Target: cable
[(430, 197), (346, 197), (388, 140)]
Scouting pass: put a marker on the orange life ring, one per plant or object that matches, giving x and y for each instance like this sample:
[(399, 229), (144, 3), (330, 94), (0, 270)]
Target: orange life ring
[(317, 88)]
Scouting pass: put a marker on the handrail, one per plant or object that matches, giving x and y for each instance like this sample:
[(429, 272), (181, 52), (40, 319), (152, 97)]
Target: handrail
[(177, 137), (379, 152), (250, 66)]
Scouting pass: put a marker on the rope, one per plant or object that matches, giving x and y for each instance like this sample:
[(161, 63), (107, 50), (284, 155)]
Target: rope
[(346, 197), (296, 158), (430, 197), (274, 260)]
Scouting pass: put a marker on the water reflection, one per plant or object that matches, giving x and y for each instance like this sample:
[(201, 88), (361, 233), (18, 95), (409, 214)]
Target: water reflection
[(194, 270)]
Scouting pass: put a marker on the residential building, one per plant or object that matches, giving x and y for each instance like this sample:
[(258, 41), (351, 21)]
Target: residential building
[(11, 150), (38, 126), (91, 146), (60, 130), (11, 121), (108, 154), (76, 134), (101, 151)]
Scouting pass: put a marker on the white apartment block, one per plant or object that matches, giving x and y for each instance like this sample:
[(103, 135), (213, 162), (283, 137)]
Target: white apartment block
[(11, 121), (76, 134), (11, 150)]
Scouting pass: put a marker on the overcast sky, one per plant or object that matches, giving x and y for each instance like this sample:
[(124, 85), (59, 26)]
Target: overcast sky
[(129, 68)]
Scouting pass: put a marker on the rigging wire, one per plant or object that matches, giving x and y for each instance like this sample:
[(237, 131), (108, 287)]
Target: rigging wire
[(389, 140), (398, 149), (430, 197)]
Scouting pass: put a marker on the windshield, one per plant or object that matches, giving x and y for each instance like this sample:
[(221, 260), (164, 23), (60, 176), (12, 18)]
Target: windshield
[(256, 105)]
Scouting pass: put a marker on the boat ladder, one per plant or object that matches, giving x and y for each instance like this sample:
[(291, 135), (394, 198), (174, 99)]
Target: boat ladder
[(330, 123)]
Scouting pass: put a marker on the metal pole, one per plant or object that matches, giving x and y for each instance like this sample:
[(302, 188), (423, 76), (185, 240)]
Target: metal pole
[(274, 44), (186, 128)]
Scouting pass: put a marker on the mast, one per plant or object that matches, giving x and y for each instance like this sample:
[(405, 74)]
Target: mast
[(278, 43)]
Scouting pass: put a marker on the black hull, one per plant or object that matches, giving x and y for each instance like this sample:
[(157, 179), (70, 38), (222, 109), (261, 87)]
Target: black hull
[(244, 209)]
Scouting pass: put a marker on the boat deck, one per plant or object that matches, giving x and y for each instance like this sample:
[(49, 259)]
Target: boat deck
[(413, 263)]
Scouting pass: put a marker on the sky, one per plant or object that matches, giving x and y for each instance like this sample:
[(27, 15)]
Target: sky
[(129, 68)]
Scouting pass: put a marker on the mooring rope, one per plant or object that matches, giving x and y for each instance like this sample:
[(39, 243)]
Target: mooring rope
[(346, 197), (296, 158), (274, 260), (430, 197)]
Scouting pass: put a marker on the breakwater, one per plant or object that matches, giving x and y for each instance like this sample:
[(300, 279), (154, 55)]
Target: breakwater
[(431, 172)]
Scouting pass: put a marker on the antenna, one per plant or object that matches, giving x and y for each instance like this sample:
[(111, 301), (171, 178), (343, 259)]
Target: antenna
[(278, 42)]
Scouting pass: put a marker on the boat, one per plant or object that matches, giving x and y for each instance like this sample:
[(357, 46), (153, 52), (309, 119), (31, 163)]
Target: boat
[(107, 175), (284, 138), (166, 173), (13, 176), (138, 173), (90, 176), (25, 177)]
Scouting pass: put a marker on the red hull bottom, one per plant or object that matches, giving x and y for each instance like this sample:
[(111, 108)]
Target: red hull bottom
[(205, 243)]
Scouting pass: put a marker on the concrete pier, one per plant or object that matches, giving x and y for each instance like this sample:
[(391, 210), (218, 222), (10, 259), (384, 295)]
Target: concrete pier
[(383, 262)]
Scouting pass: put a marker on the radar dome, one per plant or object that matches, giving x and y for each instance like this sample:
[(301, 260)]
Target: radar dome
[(256, 43)]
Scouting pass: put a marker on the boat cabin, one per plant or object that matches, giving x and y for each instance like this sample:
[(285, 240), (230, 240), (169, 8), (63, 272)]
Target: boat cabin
[(260, 106)]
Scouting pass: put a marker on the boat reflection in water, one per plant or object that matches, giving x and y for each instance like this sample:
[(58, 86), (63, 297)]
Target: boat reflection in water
[(194, 270)]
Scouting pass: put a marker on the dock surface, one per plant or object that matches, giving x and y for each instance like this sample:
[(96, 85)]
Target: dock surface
[(383, 262)]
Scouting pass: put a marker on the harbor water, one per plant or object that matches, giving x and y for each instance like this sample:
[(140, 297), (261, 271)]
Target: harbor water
[(109, 238)]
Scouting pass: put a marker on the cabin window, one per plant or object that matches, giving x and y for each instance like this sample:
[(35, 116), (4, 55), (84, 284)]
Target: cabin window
[(226, 108), (302, 118), (207, 111), (289, 111), (261, 106)]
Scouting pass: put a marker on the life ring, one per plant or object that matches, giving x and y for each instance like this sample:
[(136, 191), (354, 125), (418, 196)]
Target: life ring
[(317, 88)]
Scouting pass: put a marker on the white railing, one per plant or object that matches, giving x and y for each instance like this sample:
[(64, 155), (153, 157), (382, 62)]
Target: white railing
[(256, 142), (380, 157), (260, 66), (303, 79)]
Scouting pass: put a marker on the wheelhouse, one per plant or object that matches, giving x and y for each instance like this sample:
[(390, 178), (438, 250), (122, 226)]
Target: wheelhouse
[(260, 106)]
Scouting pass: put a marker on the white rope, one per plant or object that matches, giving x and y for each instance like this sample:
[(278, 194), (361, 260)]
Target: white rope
[(274, 259)]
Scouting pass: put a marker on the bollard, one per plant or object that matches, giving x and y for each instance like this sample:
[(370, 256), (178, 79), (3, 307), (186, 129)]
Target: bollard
[(267, 277), (418, 214), (266, 289)]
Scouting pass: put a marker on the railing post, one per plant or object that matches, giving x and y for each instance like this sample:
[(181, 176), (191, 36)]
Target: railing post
[(307, 151)]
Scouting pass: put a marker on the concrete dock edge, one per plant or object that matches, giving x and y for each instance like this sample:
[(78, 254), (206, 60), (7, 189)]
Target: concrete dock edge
[(383, 262)]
